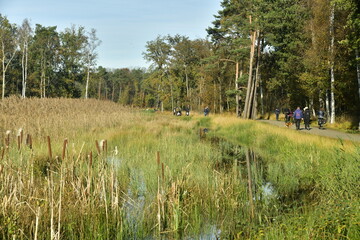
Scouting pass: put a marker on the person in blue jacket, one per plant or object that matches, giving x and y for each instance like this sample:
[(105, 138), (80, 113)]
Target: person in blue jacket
[(298, 115)]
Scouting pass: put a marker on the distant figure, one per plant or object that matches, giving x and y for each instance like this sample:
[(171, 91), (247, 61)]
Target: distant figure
[(206, 111), (277, 112), (298, 115), (178, 112), (307, 116), (321, 118), (288, 115), (187, 110), (174, 111)]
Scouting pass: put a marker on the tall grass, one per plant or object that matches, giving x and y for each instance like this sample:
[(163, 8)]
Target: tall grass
[(155, 176)]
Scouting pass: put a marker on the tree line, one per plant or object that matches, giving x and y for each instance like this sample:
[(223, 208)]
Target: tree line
[(259, 55)]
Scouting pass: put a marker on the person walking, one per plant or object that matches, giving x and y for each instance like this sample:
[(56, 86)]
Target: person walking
[(206, 111), (321, 118), (277, 112), (288, 115), (187, 110), (298, 115), (307, 118)]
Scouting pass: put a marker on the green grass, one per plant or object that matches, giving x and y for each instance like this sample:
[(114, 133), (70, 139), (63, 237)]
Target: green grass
[(160, 178)]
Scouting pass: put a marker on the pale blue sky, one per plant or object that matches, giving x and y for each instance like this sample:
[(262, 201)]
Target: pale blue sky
[(123, 26)]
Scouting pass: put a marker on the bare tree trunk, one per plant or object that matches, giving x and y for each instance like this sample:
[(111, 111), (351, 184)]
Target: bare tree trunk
[(23, 74), (214, 96), (3, 72), (120, 89), (327, 103), (332, 77), (87, 81), (237, 89), (257, 77), (260, 81), (248, 99), (358, 73), (220, 99), (172, 97), (4, 67), (187, 82), (99, 90), (113, 92)]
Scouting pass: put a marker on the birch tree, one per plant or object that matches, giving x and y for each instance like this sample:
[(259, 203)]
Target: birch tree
[(331, 52), (8, 45), (90, 54), (25, 35)]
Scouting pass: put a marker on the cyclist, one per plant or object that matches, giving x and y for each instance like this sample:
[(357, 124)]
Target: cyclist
[(321, 118)]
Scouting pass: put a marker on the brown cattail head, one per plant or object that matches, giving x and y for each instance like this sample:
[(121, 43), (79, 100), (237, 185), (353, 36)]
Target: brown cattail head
[(162, 171), (29, 141), (2, 153), (158, 158), (64, 148), (97, 146), (49, 146), (19, 141), (90, 159), (7, 138)]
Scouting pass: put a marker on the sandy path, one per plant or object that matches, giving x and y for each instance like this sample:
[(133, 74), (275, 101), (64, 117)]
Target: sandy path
[(315, 130)]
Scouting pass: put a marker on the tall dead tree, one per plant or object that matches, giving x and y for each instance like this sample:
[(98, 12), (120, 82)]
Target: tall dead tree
[(250, 86)]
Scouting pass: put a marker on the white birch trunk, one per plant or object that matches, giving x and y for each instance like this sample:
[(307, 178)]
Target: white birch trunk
[(358, 73), (87, 81), (4, 67), (237, 88), (332, 75), (3, 72), (327, 103)]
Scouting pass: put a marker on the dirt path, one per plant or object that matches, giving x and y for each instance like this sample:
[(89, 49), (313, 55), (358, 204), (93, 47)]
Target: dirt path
[(315, 130)]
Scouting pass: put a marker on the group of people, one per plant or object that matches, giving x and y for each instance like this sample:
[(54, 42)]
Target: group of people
[(178, 112), (299, 115)]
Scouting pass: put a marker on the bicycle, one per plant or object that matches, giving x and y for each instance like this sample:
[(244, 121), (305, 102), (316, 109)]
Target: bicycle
[(321, 123)]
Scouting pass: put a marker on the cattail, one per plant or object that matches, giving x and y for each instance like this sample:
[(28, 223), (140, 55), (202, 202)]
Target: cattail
[(49, 146), (7, 139), (90, 159), (64, 148), (103, 145), (158, 158), (2, 153), (21, 134), (29, 141), (97, 146), (19, 141)]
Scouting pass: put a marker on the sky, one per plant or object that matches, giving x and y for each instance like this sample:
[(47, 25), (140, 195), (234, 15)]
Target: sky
[(123, 26)]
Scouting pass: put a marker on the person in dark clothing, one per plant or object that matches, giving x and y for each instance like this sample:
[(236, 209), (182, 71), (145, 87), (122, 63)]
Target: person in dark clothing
[(298, 115), (307, 118), (288, 115), (187, 110), (321, 118), (277, 112), (206, 111)]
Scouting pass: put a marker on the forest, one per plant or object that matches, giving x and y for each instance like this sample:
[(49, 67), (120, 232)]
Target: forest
[(259, 55)]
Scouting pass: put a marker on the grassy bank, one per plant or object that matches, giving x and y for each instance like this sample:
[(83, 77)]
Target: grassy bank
[(155, 175)]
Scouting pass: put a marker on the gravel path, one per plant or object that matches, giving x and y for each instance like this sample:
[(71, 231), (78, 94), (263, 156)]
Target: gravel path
[(315, 130)]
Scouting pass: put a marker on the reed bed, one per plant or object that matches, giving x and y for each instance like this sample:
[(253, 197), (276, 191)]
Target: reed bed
[(96, 170)]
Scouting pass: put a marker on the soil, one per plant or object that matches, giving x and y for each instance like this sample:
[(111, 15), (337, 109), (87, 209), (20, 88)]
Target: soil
[(314, 129)]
